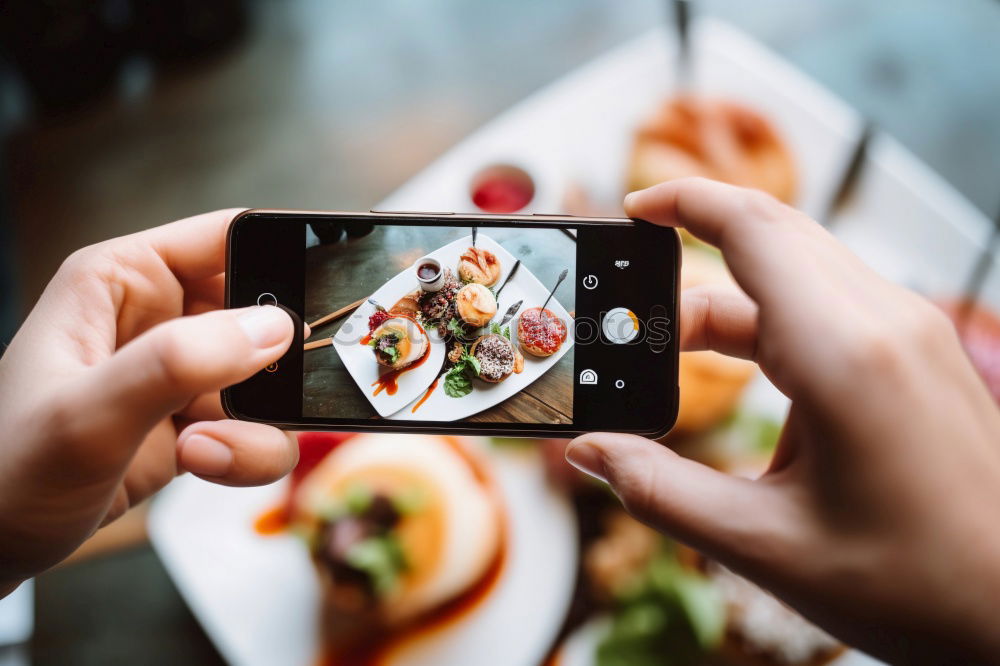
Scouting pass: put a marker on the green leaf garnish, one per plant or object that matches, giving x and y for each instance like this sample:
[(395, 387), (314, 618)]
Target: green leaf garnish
[(667, 615), (455, 327), (471, 364), (392, 353), (382, 558), (358, 498), (456, 383), (410, 500)]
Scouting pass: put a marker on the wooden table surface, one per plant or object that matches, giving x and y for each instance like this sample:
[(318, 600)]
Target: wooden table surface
[(340, 273)]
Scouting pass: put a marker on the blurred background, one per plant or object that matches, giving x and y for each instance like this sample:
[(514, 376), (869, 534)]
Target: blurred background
[(118, 115)]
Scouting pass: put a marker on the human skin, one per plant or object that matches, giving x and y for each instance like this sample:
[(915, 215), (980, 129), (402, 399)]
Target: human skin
[(111, 388), (877, 516)]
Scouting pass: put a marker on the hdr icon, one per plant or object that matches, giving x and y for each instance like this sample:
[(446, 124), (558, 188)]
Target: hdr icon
[(588, 377)]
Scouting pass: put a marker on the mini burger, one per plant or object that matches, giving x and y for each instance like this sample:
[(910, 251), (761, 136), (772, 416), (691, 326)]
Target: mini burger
[(479, 266), (398, 342), (497, 358), (476, 305)]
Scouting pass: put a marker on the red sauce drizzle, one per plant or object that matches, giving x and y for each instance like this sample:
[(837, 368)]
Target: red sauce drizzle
[(388, 380), (547, 332), (430, 389)]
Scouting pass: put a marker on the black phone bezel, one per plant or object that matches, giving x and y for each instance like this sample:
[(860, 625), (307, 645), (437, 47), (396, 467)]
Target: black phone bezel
[(295, 305)]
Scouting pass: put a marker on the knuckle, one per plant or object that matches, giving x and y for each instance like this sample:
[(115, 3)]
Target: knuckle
[(885, 346), (171, 362), (62, 416), (79, 262), (931, 326), (874, 349), (759, 205), (635, 484)]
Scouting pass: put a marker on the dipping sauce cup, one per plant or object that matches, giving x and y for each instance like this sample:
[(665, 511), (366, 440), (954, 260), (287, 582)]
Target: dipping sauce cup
[(429, 274)]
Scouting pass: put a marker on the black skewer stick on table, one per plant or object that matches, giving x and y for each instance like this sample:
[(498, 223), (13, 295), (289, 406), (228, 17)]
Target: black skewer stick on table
[(977, 278), (569, 232), (475, 232), (682, 28), (851, 175), (562, 276)]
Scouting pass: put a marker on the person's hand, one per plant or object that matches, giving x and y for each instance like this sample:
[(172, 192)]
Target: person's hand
[(878, 516), (110, 389)]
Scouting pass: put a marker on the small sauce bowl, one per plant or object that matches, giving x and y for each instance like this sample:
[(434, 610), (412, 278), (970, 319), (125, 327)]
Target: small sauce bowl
[(429, 274)]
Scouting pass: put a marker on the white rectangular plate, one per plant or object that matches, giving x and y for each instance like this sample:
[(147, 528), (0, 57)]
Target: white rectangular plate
[(439, 406)]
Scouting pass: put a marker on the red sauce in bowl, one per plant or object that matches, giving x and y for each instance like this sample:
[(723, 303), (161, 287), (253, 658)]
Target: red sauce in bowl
[(502, 188), (427, 271)]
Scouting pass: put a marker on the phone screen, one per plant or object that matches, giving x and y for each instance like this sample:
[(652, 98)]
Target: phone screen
[(499, 324)]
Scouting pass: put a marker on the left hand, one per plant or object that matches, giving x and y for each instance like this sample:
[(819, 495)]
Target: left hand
[(110, 389)]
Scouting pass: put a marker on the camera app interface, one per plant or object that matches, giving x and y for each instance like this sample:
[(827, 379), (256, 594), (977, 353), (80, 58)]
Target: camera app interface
[(428, 323)]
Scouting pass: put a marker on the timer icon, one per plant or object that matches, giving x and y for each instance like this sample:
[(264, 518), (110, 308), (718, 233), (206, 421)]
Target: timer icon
[(590, 282)]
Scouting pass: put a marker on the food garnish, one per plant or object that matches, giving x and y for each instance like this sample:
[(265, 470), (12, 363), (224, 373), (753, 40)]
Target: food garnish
[(385, 346), (458, 381), (357, 542), (495, 328), (377, 319)]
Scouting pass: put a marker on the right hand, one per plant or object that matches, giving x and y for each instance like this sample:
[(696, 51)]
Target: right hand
[(877, 516)]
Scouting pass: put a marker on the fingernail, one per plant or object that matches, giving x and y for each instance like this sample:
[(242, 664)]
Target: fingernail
[(265, 325), (587, 458), (630, 199), (201, 454)]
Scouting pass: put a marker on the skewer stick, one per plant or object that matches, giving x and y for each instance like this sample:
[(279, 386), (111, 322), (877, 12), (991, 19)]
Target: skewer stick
[(316, 344), (336, 314)]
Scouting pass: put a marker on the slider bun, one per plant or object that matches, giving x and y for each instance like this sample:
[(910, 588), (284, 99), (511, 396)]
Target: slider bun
[(719, 139), (475, 305), (495, 363), (540, 337), (479, 266)]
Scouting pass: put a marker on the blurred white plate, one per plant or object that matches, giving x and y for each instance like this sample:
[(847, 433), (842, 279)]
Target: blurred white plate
[(439, 406), (257, 597)]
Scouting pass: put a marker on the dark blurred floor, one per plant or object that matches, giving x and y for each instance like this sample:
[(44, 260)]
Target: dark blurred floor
[(116, 609), (333, 104)]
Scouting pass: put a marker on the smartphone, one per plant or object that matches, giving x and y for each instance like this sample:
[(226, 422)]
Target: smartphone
[(516, 325)]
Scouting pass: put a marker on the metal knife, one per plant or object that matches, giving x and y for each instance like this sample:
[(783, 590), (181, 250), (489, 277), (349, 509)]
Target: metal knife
[(511, 311)]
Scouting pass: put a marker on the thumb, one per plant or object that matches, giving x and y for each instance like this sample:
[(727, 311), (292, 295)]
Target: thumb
[(166, 367), (730, 519)]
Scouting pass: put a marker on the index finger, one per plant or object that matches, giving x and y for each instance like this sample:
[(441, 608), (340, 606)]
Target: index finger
[(194, 248), (772, 250)]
